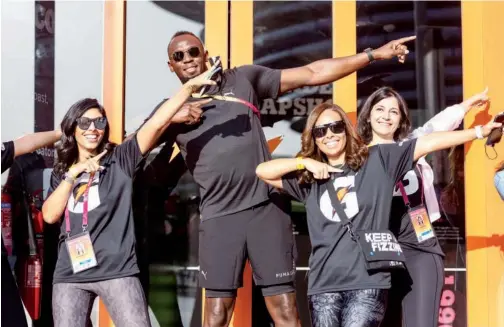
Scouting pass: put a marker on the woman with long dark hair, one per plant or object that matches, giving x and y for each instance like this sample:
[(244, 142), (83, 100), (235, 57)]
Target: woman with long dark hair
[(384, 118), (91, 188), (342, 291)]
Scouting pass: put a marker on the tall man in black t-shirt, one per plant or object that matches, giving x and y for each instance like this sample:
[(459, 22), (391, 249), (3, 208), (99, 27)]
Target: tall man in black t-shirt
[(12, 308), (222, 143)]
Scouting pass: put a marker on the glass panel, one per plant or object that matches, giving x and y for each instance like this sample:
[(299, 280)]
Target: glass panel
[(51, 57), (291, 34), (166, 209), (430, 80)]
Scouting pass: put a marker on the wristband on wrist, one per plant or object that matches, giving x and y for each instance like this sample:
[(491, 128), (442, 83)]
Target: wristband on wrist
[(69, 178), (479, 132), (369, 53), (299, 163)]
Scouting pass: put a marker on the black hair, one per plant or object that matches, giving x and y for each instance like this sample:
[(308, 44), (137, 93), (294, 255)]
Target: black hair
[(179, 33), (67, 150)]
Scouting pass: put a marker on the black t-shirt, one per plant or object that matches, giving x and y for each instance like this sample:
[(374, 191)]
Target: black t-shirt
[(223, 151), (7, 155), (336, 262), (400, 223), (110, 218)]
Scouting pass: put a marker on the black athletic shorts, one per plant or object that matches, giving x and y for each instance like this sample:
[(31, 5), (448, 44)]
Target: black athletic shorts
[(262, 234)]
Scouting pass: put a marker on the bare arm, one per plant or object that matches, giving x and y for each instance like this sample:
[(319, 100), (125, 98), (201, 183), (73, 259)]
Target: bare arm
[(444, 140), (450, 118), (31, 142), (55, 204), (271, 172), (149, 133), (329, 70)]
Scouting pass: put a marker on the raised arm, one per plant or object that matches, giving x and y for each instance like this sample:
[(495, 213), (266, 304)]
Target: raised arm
[(55, 204), (329, 70), (31, 142), (272, 171), (444, 140), (450, 118), (153, 128)]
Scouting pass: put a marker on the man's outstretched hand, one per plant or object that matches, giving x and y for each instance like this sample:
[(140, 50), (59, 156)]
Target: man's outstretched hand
[(395, 48)]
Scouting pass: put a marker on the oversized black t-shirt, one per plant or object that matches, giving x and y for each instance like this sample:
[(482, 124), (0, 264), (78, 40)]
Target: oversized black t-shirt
[(7, 155), (110, 217), (223, 151), (400, 223), (336, 262)]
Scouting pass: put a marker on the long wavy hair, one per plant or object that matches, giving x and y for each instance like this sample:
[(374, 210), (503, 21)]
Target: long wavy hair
[(364, 126), (67, 150), (356, 152)]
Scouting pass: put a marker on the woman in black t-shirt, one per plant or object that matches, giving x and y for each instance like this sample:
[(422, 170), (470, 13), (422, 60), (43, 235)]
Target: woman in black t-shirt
[(13, 313), (341, 290), (91, 189), (384, 119)]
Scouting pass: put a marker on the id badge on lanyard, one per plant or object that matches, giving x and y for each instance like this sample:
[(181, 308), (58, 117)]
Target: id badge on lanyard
[(419, 218), (79, 247)]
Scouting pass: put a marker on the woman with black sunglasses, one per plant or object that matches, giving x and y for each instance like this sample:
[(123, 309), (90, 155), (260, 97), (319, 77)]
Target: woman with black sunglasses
[(91, 188), (342, 292)]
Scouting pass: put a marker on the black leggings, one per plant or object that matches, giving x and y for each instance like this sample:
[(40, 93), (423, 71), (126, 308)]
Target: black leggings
[(418, 291), (356, 308), (123, 297), (13, 314)]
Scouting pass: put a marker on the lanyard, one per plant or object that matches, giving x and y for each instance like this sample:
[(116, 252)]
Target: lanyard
[(84, 209), (403, 191), (233, 99)]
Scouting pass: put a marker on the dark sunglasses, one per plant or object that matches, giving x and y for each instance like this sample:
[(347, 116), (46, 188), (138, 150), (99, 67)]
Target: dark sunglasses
[(85, 122), (178, 56), (336, 127)]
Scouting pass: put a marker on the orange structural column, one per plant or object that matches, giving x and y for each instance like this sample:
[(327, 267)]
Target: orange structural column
[(114, 41), (216, 43), (344, 35), (482, 45), (242, 53)]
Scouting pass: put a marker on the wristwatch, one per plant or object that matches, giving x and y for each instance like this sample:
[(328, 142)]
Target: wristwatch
[(370, 56)]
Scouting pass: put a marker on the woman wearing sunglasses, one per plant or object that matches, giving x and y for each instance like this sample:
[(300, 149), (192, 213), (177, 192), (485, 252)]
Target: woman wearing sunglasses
[(384, 119), (341, 290), (90, 194)]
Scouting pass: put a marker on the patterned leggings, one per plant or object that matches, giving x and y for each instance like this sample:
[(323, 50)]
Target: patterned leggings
[(123, 297), (358, 308)]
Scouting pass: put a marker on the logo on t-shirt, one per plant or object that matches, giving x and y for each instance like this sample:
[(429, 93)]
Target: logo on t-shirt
[(76, 200), (410, 182), (347, 196)]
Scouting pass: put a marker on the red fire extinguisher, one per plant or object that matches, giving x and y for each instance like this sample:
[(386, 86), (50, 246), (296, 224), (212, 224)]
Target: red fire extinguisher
[(38, 225), (31, 281), (7, 221)]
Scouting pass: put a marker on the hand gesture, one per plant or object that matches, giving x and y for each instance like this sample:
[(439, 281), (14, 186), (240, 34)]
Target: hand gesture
[(203, 79), (91, 165), (319, 169), (479, 100), (190, 113), (393, 49), (487, 129)]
